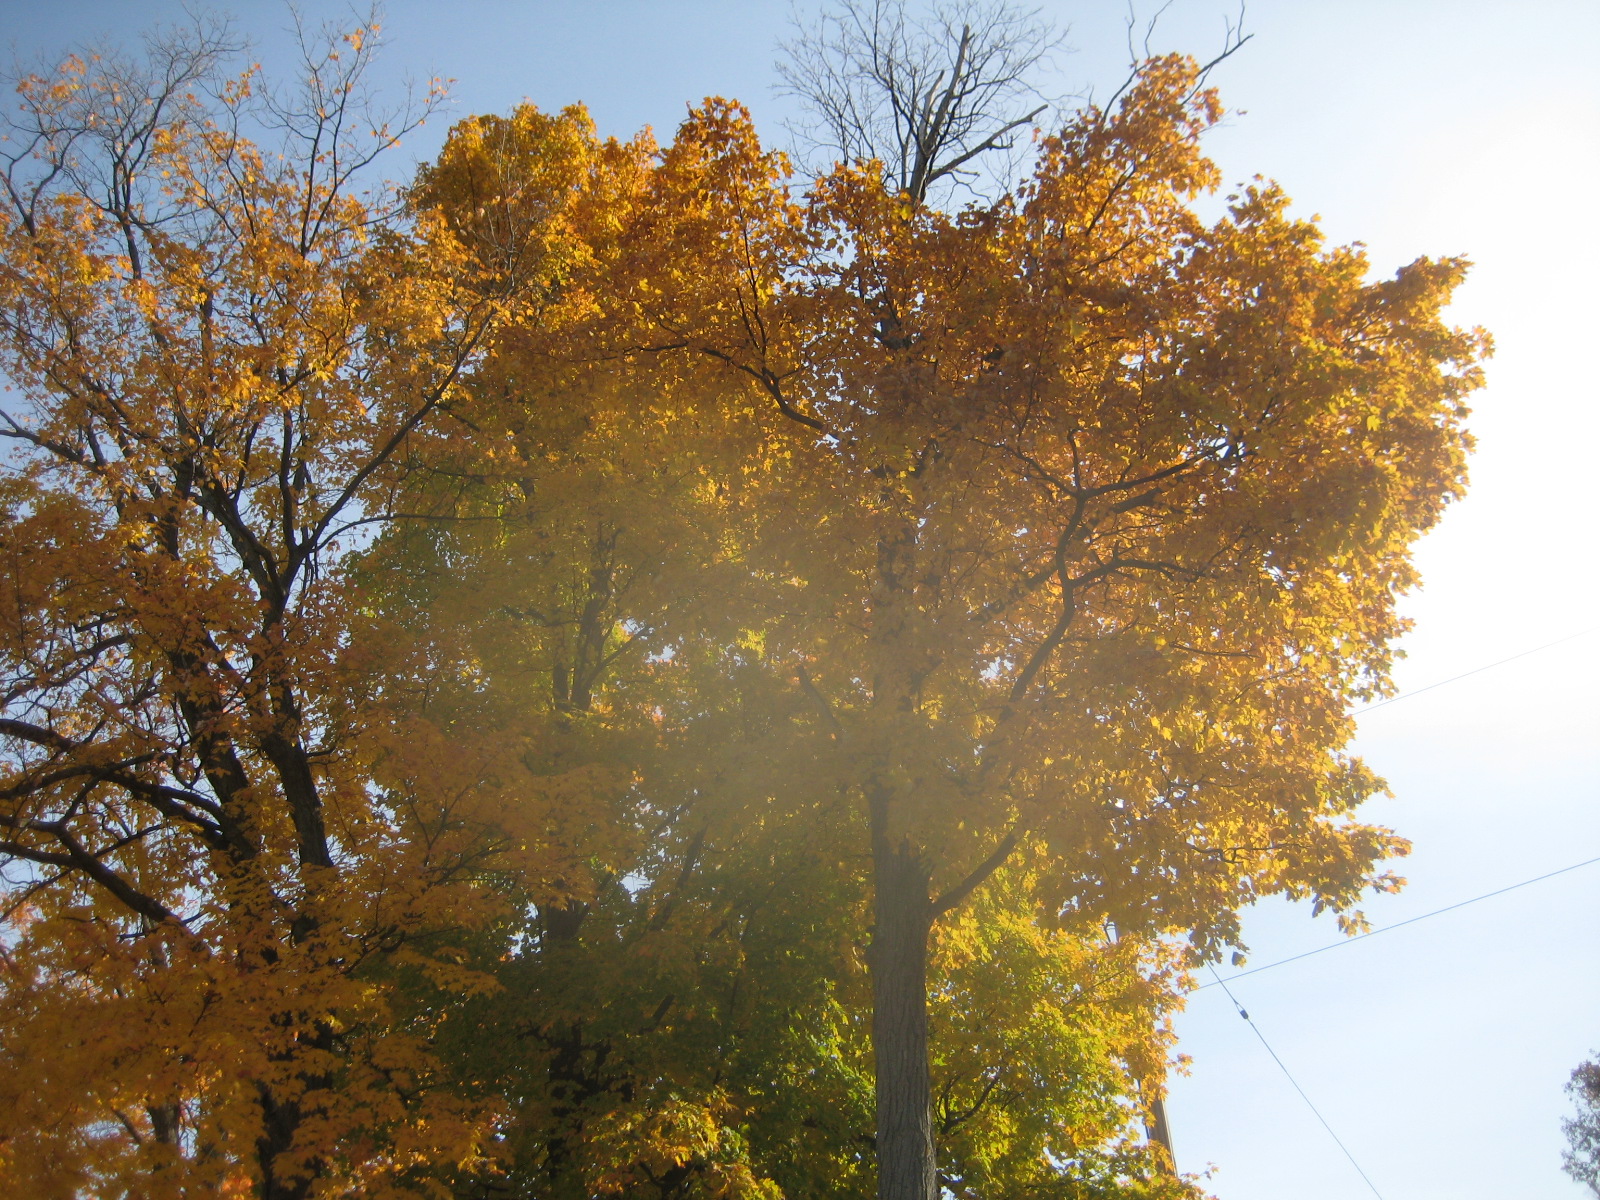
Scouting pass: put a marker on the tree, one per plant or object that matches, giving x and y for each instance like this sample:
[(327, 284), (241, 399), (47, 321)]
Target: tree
[(241, 872), (1581, 1159), (1113, 567), (694, 1017), (1061, 531), (1087, 537)]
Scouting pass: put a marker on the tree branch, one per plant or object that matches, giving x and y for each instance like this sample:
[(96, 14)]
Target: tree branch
[(979, 874)]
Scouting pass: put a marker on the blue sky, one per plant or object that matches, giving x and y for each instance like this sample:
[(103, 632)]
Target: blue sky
[(1438, 1051)]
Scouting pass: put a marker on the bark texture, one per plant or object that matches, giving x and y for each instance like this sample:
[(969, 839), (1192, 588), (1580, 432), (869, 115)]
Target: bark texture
[(899, 963)]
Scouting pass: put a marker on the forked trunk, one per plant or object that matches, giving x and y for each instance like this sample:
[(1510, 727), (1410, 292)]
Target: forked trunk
[(899, 964)]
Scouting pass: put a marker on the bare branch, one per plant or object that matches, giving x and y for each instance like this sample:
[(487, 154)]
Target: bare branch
[(923, 97)]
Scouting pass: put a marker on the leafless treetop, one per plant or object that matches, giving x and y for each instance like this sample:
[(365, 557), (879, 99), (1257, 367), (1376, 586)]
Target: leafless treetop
[(98, 138), (925, 95)]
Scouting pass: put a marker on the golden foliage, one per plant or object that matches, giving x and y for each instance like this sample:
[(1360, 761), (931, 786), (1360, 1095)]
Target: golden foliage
[(486, 683)]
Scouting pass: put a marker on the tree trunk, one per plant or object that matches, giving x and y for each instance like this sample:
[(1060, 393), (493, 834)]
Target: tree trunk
[(1160, 1133), (899, 964)]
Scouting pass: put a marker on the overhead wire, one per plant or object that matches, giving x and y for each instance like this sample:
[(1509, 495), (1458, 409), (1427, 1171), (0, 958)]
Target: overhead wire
[(1460, 904), (1476, 670), (1287, 1074), (1588, 862), (1217, 980)]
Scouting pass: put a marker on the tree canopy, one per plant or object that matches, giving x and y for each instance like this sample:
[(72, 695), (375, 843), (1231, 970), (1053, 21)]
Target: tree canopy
[(621, 672)]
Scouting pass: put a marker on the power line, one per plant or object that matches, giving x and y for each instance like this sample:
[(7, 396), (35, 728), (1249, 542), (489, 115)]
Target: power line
[(1589, 862), (1217, 980), (1286, 1074), (1462, 904), (1475, 671)]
